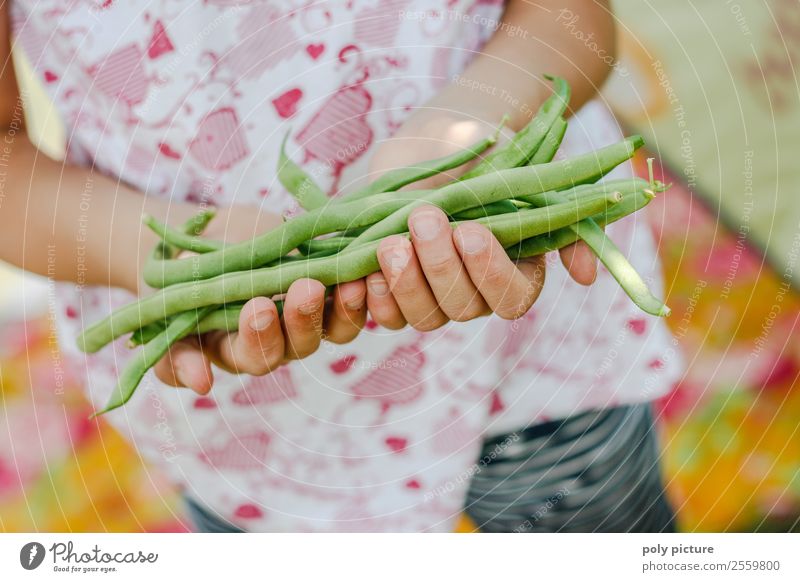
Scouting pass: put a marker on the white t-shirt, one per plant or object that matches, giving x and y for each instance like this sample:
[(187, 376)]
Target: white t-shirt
[(189, 101)]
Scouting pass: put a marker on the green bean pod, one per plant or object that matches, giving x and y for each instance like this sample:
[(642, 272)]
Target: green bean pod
[(179, 239), (516, 183), (551, 143), (227, 318), (525, 143), (619, 267), (298, 183), (327, 245), (626, 186), (346, 266), (278, 242), (194, 227), (393, 180), (609, 254), (165, 252), (453, 198), (492, 209), (150, 354), (562, 237)]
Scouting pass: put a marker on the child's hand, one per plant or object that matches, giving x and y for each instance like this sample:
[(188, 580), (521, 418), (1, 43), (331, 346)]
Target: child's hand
[(444, 274), (265, 341)]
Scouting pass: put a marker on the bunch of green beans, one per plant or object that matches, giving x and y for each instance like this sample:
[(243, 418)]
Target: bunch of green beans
[(532, 205)]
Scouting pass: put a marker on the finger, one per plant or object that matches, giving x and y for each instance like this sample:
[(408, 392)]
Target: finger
[(302, 318), (407, 283), (580, 262), (257, 347), (510, 291), (347, 312), (381, 304), (186, 366), (432, 237)]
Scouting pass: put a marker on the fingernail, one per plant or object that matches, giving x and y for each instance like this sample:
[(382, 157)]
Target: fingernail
[(396, 257), (355, 304), (379, 287), (309, 308), (261, 321), (180, 374), (426, 225), (472, 241)]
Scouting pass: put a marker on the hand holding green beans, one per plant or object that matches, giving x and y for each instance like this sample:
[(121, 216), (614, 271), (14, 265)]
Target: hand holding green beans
[(398, 255)]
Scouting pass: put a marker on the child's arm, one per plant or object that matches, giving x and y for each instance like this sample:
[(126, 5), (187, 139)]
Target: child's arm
[(73, 224), (573, 39), (62, 221)]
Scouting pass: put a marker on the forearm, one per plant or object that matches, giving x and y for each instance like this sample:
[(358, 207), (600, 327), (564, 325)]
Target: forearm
[(573, 39), (71, 223)]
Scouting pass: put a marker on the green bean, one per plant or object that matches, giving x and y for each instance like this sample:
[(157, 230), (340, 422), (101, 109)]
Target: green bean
[(616, 263), (524, 144), (278, 242), (509, 229), (194, 226), (613, 259), (636, 194), (452, 198), (533, 246), (330, 245), (298, 183), (552, 141), (346, 266), (514, 183), (150, 354), (521, 147), (181, 240), (144, 334), (543, 199), (562, 237), (395, 179), (625, 186), (492, 209), (225, 318), (164, 252)]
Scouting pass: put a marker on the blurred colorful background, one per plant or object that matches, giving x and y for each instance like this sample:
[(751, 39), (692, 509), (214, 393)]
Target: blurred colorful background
[(713, 88)]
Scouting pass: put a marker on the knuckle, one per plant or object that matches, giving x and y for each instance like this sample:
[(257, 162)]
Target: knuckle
[(509, 313), (496, 278), (388, 319), (429, 324), (256, 357), (255, 365), (468, 313), (302, 323), (264, 346), (343, 337), (514, 308), (304, 351), (439, 266), (405, 291)]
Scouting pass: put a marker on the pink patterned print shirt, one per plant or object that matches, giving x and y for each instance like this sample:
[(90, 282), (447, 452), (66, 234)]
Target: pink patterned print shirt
[(189, 101)]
